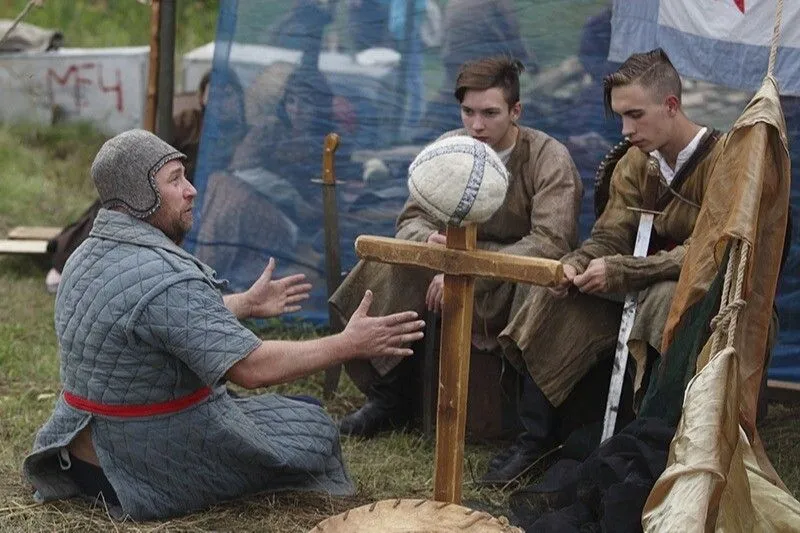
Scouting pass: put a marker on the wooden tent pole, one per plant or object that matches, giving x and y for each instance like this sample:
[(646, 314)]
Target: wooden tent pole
[(166, 69), (151, 104)]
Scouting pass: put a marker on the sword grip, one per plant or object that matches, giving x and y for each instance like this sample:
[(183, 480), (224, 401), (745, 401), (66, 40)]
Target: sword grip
[(651, 183)]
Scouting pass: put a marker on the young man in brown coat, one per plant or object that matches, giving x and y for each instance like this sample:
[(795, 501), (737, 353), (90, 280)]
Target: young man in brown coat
[(538, 218), (560, 333)]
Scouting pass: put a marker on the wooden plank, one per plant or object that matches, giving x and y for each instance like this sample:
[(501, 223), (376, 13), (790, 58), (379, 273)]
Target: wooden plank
[(517, 268), (22, 246), (785, 385), (454, 357), (36, 233), (783, 391)]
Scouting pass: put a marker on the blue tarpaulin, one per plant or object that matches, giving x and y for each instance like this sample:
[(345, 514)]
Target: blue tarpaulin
[(380, 73)]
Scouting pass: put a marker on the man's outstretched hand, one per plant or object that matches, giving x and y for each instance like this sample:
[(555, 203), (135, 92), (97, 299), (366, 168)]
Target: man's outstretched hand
[(272, 297), (267, 297), (382, 335)]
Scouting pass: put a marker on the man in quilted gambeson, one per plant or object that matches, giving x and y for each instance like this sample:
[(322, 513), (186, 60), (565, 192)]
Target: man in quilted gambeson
[(147, 341)]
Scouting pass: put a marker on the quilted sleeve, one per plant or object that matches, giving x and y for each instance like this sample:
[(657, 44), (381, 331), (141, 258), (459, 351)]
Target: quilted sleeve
[(188, 320)]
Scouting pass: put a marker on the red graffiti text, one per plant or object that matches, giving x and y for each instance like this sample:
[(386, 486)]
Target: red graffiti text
[(77, 77)]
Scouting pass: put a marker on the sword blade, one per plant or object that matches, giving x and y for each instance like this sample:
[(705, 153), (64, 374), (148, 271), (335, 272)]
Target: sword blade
[(643, 235), (626, 324)]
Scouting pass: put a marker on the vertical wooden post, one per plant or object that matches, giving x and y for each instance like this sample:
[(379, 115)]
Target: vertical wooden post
[(454, 373), (166, 69), (151, 104)]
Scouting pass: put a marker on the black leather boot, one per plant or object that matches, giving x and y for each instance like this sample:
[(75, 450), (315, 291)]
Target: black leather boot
[(538, 417), (390, 404)]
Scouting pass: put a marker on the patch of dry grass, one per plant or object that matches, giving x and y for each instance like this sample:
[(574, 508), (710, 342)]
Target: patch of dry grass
[(391, 466)]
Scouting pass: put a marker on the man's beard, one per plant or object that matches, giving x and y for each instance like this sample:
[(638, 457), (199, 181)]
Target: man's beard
[(174, 228), (178, 232)]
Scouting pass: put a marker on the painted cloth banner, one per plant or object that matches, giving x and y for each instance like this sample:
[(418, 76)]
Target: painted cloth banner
[(722, 41), (718, 475), (727, 42)]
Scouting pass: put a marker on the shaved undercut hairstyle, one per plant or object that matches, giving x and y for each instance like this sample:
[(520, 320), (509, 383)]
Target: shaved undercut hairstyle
[(652, 70), (482, 74)]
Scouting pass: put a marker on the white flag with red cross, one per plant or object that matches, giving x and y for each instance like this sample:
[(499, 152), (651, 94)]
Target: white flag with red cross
[(721, 41)]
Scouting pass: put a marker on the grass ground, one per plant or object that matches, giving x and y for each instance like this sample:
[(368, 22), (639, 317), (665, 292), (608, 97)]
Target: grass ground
[(101, 23), (44, 180)]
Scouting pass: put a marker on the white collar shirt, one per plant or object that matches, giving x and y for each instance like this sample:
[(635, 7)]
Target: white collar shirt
[(667, 172)]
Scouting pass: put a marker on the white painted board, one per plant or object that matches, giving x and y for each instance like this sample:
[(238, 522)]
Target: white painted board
[(105, 86)]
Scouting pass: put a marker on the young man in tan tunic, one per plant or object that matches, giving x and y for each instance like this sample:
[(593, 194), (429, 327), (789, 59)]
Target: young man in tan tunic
[(560, 333), (538, 218)]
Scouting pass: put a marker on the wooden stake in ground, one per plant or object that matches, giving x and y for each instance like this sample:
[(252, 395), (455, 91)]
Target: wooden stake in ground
[(461, 263)]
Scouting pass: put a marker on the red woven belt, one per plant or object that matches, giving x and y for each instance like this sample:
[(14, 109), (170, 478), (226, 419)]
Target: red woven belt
[(138, 410)]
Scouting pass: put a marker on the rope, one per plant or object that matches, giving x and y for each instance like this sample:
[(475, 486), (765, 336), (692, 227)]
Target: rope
[(725, 317), (723, 303), (776, 37), (724, 324), (738, 303), (23, 13)]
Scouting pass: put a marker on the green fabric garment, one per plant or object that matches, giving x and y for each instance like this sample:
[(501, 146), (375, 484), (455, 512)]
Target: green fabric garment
[(673, 370)]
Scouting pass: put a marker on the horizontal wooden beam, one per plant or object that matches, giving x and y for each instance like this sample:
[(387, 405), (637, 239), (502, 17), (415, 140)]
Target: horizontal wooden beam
[(783, 391), (35, 233), (480, 263), (21, 246)]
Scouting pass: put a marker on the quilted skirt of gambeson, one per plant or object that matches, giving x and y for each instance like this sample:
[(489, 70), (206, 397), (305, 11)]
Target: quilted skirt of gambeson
[(217, 450)]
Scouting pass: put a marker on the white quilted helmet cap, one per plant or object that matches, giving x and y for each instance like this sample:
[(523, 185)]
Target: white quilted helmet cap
[(458, 180)]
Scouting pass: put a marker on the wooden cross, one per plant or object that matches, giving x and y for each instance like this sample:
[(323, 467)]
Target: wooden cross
[(461, 263)]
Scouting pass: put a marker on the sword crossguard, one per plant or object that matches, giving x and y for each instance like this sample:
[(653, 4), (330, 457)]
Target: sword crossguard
[(644, 211)]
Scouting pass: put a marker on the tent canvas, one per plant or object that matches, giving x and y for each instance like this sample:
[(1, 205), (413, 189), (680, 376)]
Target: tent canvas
[(362, 72)]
